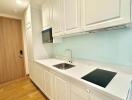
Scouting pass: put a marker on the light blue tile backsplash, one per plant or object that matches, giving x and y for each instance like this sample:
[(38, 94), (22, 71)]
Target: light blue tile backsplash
[(113, 46)]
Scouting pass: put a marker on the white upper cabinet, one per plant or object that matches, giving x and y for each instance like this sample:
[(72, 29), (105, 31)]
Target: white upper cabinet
[(58, 17), (46, 14), (105, 13), (72, 16)]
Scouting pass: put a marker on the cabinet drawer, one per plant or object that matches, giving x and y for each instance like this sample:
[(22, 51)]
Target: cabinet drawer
[(95, 95)]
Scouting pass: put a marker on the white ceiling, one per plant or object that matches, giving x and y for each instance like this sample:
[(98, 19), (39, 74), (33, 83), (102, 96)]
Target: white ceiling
[(11, 8)]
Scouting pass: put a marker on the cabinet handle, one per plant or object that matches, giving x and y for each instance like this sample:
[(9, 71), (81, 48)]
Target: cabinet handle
[(88, 91)]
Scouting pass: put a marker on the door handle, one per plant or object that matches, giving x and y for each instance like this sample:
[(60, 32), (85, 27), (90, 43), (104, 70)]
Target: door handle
[(88, 91)]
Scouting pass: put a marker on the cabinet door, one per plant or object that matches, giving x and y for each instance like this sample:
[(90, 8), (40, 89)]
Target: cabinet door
[(38, 75), (48, 84), (46, 14), (105, 13), (78, 93), (72, 16), (57, 17), (62, 89)]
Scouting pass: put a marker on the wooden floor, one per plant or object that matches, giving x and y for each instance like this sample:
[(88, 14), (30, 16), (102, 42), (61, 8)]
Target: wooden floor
[(22, 89)]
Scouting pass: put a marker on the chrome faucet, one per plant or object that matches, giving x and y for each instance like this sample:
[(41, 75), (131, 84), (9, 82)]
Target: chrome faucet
[(68, 55)]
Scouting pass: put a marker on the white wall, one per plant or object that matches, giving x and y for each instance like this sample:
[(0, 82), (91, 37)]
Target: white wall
[(25, 46), (40, 50)]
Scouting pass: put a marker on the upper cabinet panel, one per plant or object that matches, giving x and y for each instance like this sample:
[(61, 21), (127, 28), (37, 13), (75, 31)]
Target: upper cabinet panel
[(76, 16), (72, 15), (57, 17), (46, 14), (105, 13), (100, 12)]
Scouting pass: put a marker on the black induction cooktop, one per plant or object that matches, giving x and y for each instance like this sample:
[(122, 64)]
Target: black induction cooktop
[(100, 77)]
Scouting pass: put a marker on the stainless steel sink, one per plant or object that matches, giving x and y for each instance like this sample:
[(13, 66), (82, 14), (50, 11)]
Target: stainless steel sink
[(64, 66)]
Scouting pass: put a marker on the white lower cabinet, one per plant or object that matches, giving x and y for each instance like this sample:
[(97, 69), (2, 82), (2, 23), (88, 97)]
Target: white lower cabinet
[(62, 89), (59, 87), (98, 96), (55, 87), (78, 93), (48, 83), (37, 76)]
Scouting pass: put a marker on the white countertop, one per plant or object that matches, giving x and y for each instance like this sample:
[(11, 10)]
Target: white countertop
[(118, 87)]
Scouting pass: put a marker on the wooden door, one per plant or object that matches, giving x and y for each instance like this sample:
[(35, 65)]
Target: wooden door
[(11, 50)]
